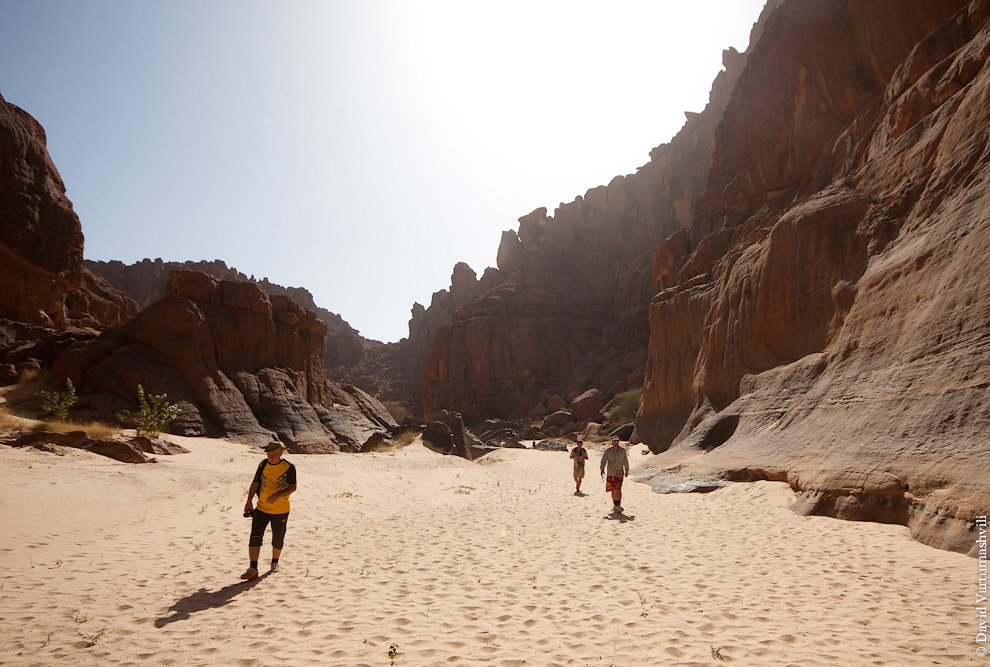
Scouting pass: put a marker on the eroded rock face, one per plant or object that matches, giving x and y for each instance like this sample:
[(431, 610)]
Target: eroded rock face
[(569, 299), (824, 320), (238, 362), (41, 241)]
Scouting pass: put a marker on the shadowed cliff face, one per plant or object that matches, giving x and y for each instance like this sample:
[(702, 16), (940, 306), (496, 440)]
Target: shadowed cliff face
[(238, 362), (41, 241), (825, 320)]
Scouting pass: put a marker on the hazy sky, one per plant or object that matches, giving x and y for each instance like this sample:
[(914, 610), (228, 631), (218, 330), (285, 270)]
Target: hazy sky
[(358, 149)]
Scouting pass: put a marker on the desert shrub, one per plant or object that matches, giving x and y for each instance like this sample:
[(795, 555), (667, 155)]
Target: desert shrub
[(626, 405), (154, 415), (397, 409), (58, 402)]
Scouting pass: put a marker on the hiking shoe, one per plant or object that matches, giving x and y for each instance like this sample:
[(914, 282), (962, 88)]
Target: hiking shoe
[(619, 509), (250, 573), (274, 567)]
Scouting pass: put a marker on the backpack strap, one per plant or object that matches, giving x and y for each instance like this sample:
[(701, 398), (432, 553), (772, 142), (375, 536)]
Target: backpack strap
[(261, 467)]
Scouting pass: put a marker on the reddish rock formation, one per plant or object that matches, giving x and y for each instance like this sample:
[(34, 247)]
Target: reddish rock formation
[(41, 241), (349, 358), (569, 298), (237, 361), (825, 320)]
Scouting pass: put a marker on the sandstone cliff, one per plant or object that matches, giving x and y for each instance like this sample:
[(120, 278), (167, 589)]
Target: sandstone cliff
[(566, 310), (348, 357), (825, 320), (41, 241), (810, 247), (238, 362)]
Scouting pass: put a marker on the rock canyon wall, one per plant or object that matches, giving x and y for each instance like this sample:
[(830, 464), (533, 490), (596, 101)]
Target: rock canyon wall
[(826, 318), (566, 310), (810, 249)]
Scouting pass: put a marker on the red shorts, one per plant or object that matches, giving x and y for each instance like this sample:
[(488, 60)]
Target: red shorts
[(613, 483)]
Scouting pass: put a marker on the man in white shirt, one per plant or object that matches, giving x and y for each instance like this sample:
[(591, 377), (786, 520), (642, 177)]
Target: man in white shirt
[(615, 468)]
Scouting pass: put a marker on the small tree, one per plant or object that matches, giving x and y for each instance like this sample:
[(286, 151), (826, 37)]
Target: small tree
[(59, 402), (155, 414)]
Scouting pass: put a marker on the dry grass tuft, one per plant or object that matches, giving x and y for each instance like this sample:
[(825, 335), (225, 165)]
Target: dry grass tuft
[(95, 430), (30, 374), (397, 409), (10, 422), (404, 439)]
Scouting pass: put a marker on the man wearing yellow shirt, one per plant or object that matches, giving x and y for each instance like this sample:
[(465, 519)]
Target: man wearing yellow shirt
[(273, 482)]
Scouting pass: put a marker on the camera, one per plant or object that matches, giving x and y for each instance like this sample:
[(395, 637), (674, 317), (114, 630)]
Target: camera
[(247, 514)]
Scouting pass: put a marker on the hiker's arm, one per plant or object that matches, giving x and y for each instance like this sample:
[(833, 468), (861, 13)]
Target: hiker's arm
[(251, 491), (284, 493)]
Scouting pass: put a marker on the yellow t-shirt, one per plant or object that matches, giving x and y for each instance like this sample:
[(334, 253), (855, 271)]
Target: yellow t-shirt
[(274, 478)]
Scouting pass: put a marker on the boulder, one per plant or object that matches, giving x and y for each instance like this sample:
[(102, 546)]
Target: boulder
[(587, 405), (550, 445), (557, 419), (445, 433)]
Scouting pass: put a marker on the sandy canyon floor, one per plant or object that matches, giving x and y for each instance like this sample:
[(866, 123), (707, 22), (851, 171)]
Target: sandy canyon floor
[(436, 560)]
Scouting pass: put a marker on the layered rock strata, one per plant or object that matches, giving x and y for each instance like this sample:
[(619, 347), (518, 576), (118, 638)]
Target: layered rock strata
[(825, 319), (238, 362)]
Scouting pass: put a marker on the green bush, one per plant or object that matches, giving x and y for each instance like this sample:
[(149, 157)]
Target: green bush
[(626, 405), (155, 414), (59, 402)]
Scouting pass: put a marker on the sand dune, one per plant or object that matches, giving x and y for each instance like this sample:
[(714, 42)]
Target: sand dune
[(445, 561)]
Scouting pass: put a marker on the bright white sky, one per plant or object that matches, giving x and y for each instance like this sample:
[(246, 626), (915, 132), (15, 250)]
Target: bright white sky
[(358, 149)]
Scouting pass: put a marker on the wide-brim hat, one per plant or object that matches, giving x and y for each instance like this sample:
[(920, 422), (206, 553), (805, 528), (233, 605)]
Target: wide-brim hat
[(274, 446)]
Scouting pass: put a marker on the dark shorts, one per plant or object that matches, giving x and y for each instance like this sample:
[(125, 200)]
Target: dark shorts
[(613, 483), (260, 521)]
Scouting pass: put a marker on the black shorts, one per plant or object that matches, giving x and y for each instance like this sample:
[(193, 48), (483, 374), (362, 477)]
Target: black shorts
[(260, 520)]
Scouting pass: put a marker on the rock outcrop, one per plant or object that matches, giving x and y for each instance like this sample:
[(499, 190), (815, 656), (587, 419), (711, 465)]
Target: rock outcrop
[(118, 447), (349, 358), (238, 362), (825, 318), (445, 433), (41, 241)]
